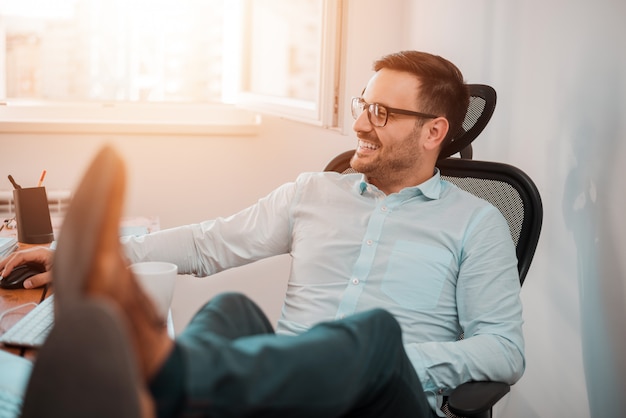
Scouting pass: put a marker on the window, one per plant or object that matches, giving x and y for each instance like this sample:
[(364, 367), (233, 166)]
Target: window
[(276, 56), (291, 48)]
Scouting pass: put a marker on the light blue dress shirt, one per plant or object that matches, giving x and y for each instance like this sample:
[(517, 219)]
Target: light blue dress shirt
[(439, 259)]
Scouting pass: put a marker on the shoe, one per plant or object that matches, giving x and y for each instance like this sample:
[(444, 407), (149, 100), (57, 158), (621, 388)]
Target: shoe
[(91, 364), (92, 221), (87, 366), (89, 262)]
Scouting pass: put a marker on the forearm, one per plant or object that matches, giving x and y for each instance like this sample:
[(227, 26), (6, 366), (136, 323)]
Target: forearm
[(489, 312), (175, 245), (442, 366)]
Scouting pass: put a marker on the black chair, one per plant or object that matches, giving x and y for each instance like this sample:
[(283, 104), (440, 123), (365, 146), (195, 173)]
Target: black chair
[(511, 191)]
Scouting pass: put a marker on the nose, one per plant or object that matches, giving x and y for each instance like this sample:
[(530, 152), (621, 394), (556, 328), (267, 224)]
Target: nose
[(362, 123)]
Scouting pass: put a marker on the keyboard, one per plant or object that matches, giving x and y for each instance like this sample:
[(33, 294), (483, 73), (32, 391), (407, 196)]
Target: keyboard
[(33, 328), (31, 331)]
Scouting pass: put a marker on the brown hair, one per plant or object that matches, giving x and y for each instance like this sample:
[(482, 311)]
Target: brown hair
[(443, 91)]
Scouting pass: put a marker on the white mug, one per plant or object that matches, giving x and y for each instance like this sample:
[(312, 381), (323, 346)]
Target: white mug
[(157, 279)]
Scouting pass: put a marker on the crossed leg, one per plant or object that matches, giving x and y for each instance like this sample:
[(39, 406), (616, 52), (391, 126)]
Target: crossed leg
[(228, 362)]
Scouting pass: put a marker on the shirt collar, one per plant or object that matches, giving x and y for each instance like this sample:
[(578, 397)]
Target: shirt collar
[(431, 188)]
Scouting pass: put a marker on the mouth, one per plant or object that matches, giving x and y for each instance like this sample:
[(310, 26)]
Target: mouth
[(367, 146)]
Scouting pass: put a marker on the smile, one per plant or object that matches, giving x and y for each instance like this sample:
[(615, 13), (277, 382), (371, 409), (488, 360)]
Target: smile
[(367, 145)]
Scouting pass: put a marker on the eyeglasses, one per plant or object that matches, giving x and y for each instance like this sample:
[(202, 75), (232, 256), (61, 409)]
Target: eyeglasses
[(378, 114)]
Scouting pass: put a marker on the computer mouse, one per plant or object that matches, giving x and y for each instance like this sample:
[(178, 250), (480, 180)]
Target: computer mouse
[(15, 279)]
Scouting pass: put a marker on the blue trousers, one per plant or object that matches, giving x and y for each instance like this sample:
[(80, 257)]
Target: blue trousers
[(229, 363)]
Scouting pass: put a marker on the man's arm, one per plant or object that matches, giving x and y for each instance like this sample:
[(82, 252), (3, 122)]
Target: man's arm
[(262, 230), (489, 312)]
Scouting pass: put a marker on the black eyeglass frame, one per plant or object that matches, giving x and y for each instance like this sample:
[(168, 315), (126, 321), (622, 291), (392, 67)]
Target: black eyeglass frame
[(368, 107)]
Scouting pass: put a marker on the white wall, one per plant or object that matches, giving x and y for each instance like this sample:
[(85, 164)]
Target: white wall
[(557, 67)]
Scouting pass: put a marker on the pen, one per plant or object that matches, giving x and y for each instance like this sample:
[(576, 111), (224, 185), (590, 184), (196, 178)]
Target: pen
[(17, 186), (43, 175)]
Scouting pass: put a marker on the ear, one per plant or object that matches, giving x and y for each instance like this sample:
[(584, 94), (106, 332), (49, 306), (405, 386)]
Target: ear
[(437, 130)]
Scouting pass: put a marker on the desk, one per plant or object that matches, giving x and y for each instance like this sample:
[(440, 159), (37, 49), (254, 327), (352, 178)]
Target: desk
[(13, 298), (16, 297)]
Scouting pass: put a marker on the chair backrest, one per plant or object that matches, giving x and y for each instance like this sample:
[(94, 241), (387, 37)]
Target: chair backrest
[(482, 104)]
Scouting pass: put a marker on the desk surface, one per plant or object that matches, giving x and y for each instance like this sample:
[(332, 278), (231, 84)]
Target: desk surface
[(14, 298), (17, 297)]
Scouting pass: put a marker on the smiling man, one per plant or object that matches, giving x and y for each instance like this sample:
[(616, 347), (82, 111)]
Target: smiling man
[(413, 104), (394, 236)]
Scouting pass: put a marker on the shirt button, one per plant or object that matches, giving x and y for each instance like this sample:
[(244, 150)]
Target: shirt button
[(355, 281), (384, 209), (369, 242)]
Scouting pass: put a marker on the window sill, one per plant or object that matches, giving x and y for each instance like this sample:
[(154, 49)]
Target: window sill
[(127, 118)]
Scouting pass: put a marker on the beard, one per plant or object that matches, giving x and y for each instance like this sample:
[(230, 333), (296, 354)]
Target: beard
[(386, 162)]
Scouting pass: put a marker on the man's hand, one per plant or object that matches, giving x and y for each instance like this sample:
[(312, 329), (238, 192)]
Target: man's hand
[(40, 255)]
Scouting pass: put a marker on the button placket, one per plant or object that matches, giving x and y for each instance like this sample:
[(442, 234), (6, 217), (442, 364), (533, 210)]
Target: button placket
[(363, 264)]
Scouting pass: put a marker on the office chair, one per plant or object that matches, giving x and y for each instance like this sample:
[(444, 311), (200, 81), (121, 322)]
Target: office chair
[(511, 191)]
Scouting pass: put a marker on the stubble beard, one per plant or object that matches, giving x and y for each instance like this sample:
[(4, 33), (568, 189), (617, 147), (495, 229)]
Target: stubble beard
[(381, 167)]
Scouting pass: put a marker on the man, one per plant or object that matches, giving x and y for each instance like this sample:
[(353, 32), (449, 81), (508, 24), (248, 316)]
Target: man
[(226, 363), (394, 236)]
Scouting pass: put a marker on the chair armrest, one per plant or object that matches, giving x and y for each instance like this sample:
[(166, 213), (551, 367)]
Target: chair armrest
[(475, 399)]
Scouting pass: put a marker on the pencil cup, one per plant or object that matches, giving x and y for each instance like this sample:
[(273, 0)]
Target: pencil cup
[(32, 216), (157, 279)]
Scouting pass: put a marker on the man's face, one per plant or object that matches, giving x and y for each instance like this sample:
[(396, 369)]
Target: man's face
[(390, 153)]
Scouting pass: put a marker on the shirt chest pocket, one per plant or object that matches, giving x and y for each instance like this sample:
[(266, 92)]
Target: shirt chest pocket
[(416, 274)]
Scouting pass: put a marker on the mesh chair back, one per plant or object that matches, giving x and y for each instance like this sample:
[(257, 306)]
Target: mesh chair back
[(482, 104)]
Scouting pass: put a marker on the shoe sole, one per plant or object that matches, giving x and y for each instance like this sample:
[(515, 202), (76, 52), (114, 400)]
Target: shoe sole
[(96, 204)]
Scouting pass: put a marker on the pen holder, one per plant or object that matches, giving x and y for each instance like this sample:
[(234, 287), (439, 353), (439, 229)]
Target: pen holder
[(32, 216)]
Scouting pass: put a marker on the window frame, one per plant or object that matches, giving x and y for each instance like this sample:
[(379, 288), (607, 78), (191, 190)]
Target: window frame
[(324, 111)]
